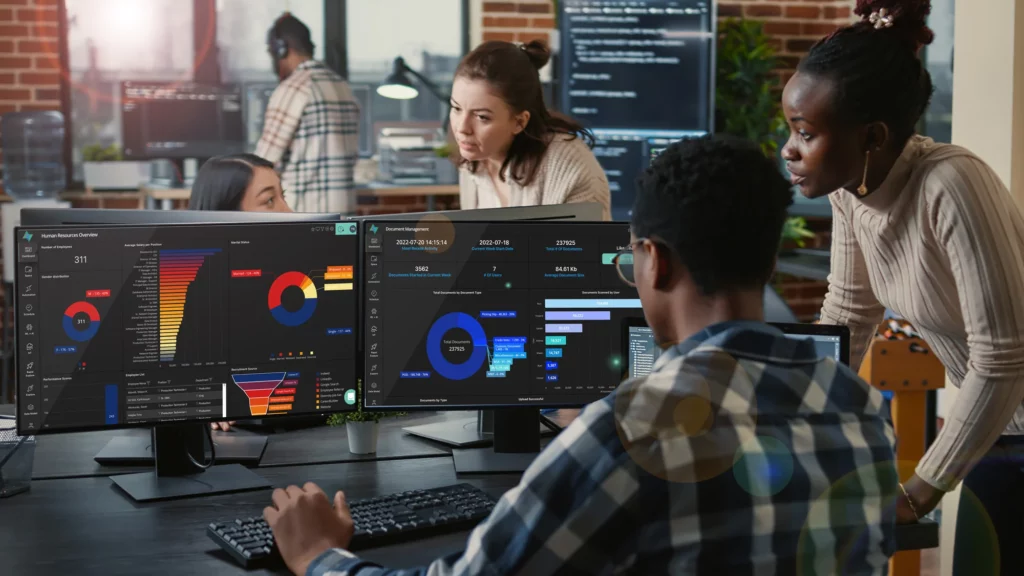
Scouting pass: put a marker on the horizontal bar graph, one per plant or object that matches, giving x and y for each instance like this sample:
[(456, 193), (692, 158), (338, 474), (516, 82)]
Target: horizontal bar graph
[(564, 328), (505, 350), (572, 315), (283, 397), (337, 286), (586, 303), (178, 269)]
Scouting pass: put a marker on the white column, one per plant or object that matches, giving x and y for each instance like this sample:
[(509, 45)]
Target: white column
[(988, 119)]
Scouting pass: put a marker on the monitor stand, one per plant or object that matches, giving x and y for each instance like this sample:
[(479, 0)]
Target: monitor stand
[(136, 450), (471, 432), (516, 444), (174, 474)]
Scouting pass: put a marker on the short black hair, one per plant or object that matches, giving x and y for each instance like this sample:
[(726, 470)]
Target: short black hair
[(720, 203), (221, 182), (294, 33), (876, 72)]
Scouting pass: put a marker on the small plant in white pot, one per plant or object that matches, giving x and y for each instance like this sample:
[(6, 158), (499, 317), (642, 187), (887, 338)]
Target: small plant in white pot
[(106, 169), (362, 427)]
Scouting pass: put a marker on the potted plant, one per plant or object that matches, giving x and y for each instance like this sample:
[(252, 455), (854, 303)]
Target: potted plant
[(747, 99), (106, 169), (447, 173), (362, 427)]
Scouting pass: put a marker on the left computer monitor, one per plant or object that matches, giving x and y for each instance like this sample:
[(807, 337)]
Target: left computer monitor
[(175, 326), (89, 216)]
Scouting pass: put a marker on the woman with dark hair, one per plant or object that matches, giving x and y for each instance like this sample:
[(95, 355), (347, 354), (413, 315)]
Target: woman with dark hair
[(242, 182), (511, 149), (239, 182), (929, 231)]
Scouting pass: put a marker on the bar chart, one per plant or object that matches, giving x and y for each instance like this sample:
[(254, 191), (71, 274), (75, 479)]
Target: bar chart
[(566, 322), (178, 270)]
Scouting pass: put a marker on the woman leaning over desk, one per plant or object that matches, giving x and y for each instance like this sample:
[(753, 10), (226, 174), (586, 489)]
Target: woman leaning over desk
[(929, 231), (511, 150)]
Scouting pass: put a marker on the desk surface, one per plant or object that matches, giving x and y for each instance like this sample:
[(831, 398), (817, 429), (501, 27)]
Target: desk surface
[(87, 526), (71, 455)]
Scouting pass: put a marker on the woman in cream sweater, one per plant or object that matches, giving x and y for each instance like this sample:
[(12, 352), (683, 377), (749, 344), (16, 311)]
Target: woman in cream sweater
[(929, 231), (511, 150)]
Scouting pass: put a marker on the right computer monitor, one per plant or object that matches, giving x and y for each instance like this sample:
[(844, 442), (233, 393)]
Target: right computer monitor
[(490, 315), (643, 351)]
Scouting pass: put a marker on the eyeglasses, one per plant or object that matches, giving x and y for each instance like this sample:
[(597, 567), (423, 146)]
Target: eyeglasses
[(624, 259)]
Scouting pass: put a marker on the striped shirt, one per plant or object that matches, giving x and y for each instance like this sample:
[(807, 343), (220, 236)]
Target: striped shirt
[(940, 243), (742, 453), (311, 134)]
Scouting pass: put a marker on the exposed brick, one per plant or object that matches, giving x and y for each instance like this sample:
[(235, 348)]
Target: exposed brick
[(47, 63), (531, 35), (6, 14), (13, 30), (535, 8), (6, 46), (801, 45), (6, 79), (542, 23), (14, 62), (807, 12), (499, 7), (7, 107), (37, 15), (13, 2), (730, 10), (762, 10), (39, 78), (37, 47), (836, 12), (776, 44), (40, 107), (505, 22), (788, 62), (15, 94), (47, 94), (782, 28), (43, 30), (46, 2), (817, 29), (503, 36)]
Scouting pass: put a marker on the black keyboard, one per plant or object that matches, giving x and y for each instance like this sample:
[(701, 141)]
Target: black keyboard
[(378, 521)]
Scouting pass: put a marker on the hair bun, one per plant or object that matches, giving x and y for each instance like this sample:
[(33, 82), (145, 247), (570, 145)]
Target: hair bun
[(910, 17), (538, 52)]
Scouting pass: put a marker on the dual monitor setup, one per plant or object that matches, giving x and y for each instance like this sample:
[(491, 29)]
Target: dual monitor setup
[(172, 320)]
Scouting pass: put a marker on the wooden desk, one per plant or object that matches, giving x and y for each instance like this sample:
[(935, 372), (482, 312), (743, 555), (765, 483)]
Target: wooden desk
[(386, 190), (87, 526)]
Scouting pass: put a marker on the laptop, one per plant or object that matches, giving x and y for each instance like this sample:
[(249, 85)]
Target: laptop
[(641, 351)]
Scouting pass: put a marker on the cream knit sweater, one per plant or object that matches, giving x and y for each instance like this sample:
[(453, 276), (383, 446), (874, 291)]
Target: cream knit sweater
[(942, 244), (568, 173)]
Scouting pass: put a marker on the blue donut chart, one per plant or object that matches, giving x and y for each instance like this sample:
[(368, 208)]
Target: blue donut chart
[(73, 332), (477, 336)]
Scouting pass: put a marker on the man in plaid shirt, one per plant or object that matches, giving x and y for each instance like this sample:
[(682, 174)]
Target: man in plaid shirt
[(311, 126), (742, 453)]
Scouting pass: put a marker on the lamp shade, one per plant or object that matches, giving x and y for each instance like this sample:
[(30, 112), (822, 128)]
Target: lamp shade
[(397, 85)]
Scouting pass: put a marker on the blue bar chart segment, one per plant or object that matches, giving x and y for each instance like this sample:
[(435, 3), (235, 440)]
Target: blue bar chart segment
[(565, 317)]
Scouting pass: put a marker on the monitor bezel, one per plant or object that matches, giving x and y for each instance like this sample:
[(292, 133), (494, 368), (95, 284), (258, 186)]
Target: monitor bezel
[(787, 327), (358, 358), (133, 217), (383, 219)]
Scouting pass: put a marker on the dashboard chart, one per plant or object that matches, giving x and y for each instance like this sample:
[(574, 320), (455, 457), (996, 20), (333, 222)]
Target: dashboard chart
[(473, 315), (147, 324)]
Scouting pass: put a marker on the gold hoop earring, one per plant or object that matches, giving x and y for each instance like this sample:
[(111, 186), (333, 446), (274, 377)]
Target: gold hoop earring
[(863, 188)]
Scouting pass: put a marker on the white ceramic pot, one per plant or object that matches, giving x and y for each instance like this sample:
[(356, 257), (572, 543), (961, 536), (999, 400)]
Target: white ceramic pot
[(122, 175), (362, 437)]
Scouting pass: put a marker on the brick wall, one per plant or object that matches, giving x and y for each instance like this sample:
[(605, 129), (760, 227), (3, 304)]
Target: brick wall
[(29, 57)]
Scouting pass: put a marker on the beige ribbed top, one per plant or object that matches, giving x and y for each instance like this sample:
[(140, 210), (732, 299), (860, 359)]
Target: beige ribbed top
[(568, 173), (942, 244)]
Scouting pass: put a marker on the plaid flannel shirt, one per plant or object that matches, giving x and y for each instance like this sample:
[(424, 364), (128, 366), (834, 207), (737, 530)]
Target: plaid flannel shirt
[(311, 134), (743, 452)]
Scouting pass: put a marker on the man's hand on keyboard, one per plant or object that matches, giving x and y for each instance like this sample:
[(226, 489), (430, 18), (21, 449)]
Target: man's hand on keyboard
[(305, 524)]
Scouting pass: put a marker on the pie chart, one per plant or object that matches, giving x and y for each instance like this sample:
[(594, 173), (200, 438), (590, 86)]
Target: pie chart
[(277, 309), (81, 329)]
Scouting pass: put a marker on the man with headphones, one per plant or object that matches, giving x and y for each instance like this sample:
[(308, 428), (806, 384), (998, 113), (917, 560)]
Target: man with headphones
[(311, 126)]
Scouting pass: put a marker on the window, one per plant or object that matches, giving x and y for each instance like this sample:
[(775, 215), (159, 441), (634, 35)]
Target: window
[(429, 35), (938, 119), (113, 40)]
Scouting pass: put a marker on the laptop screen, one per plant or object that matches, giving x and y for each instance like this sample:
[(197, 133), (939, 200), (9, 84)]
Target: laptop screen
[(643, 351)]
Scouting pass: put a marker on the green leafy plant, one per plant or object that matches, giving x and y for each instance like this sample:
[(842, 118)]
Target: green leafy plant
[(443, 151), (361, 415), (98, 153), (747, 99)]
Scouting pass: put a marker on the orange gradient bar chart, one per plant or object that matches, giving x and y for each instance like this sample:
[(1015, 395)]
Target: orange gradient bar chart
[(259, 388), (282, 398), (178, 269), (338, 273)]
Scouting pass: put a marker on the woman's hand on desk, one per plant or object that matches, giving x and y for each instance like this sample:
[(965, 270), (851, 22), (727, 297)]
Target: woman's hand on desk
[(306, 525), (225, 426)]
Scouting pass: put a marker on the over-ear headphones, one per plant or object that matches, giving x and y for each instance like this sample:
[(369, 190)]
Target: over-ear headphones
[(278, 46)]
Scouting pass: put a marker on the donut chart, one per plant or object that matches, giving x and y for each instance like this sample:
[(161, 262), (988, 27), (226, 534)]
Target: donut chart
[(84, 334), (435, 337), (279, 312)]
